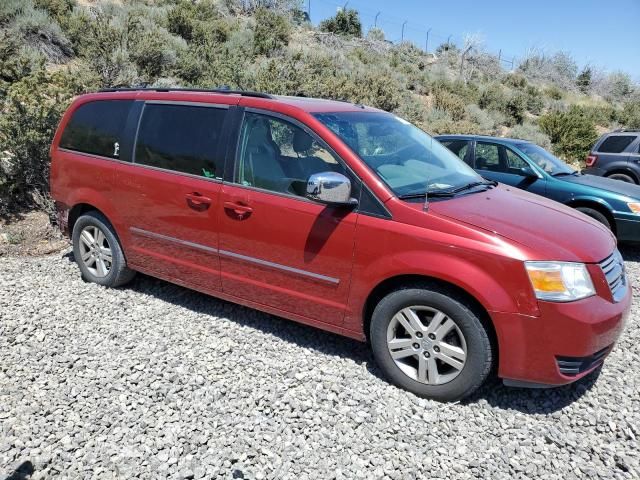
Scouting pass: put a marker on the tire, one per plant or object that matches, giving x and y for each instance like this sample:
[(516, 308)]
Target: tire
[(596, 215), (446, 385), (623, 177), (92, 229)]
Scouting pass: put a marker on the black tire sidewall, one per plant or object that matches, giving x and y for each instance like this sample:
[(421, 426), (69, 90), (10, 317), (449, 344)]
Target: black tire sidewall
[(479, 350), (622, 177), (596, 215), (118, 264)]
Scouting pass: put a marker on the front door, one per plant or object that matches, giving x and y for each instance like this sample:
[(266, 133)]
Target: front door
[(169, 195), (278, 248), (497, 162)]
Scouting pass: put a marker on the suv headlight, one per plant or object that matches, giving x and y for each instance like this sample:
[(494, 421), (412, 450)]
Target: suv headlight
[(560, 281)]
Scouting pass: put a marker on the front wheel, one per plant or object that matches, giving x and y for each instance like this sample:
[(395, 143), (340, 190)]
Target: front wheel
[(596, 215), (428, 340)]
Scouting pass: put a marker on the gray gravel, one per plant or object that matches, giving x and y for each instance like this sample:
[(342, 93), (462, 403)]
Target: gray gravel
[(156, 381)]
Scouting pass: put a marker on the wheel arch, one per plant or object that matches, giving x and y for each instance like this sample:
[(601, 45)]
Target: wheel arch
[(598, 205), (391, 284), (624, 169)]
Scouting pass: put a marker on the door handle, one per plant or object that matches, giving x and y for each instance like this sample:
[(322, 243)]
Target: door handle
[(242, 211), (197, 201)]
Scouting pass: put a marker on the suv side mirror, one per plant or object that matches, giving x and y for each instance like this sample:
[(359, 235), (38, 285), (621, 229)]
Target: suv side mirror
[(331, 188)]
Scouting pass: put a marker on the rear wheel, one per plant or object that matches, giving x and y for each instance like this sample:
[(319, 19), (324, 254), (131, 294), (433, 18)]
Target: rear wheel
[(429, 341), (622, 177), (98, 252), (596, 215)]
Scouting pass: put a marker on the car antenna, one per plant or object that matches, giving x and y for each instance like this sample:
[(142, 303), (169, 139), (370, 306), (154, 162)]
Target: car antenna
[(425, 206)]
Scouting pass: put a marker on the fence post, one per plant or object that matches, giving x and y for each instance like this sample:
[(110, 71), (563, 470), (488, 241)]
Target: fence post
[(402, 34), (426, 45)]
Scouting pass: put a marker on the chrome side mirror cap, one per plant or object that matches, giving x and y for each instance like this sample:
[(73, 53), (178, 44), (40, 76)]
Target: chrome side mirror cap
[(330, 188)]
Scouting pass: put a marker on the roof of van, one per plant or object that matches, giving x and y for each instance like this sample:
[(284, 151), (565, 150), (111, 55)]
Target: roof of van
[(311, 105), (510, 141)]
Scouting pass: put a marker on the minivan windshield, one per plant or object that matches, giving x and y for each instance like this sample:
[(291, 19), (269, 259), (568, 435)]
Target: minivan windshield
[(545, 160), (407, 159)]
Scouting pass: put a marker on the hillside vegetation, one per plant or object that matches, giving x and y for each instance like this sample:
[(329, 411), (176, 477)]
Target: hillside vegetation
[(51, 50)]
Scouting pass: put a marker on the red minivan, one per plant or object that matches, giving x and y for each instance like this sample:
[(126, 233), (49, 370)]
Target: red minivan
[(342, 217)]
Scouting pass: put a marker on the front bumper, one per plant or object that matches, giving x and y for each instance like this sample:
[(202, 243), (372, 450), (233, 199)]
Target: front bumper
[(627, 227), (565, 343)]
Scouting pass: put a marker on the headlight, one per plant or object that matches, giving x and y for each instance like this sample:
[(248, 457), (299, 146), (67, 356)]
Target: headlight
[(560, 281), (634, 207)]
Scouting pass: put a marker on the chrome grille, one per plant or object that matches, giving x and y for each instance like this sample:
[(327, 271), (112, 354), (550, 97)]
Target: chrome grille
[(613, 269)]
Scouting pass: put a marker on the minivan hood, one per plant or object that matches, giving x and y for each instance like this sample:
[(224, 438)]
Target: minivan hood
[(615, 186), (550, 230)]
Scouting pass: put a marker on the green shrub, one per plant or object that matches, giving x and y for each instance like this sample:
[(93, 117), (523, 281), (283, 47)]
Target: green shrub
[(9, 9), (345, 22), (630, 115), (516, 106), (531, 131), (572, 133), (32, 110), (535, 102), (492, 97), (450, 103), (272, 32), (376, 34), (553, 92), (39, 32), (515, 80), (583, 81), (14, 62)]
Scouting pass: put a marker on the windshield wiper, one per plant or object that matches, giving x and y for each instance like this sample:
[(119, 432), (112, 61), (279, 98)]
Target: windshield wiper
[(447, 192), (431, 193), (468, 186)]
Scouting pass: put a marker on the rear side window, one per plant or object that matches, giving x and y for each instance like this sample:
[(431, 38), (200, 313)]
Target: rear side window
[(616, 143), (460, 148), (181, 138), (97, 128)]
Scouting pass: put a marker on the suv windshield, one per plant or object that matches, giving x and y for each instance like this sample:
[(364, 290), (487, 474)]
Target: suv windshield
[(545, 160), (408, 160)]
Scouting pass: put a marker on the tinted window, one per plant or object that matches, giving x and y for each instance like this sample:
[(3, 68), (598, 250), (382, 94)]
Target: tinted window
[(276, 155), (181, 138), (488, 157), (459, 147), (97, 128), (616, 143)]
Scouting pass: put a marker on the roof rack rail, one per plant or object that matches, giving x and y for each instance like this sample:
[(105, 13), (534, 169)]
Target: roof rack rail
[(244, 93), (627, 130)]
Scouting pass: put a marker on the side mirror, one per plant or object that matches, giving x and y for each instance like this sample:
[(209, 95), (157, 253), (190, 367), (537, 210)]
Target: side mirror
[(331, 188), (528, 172)]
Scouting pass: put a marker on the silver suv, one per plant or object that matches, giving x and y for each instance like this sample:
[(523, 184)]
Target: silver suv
[(616, 155)]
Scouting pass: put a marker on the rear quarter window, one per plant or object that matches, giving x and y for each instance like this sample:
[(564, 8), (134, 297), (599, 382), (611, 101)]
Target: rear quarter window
[(616, 143), (97, 128)]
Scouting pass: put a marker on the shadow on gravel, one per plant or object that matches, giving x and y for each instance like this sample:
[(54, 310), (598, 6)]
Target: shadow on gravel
[(533, 401), (23, 472)]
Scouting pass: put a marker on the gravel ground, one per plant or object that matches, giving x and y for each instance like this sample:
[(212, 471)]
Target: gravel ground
[(156, 381)]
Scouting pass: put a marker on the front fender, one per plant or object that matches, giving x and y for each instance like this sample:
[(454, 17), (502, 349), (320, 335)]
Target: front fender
[(497, 283)]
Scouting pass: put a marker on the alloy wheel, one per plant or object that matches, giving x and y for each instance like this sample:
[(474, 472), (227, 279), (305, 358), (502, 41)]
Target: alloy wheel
[(426, 344), (95, 251)]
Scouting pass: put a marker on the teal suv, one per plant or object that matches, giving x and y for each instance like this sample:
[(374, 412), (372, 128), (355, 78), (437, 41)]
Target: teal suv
[(530, 167)]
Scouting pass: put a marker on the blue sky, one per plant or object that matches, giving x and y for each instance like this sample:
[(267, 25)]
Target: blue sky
[(603, 34)]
